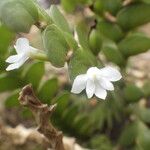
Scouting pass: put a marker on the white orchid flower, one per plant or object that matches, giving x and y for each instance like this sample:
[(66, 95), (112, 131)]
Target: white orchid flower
[(24, 51), (96, 81)]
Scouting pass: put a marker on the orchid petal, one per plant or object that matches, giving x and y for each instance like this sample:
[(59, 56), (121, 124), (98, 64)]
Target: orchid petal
[(91, 72), (79, 84), (106, 84), (13, 58), (111, 73), (18, 64), (12, 66), (100, 92), (22, 45), (90, 88)]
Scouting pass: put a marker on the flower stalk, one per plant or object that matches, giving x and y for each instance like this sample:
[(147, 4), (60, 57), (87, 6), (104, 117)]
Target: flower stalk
[(40, 55)]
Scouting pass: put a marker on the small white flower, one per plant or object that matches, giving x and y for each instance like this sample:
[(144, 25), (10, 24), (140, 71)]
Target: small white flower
[(23, 50), (96, 81)]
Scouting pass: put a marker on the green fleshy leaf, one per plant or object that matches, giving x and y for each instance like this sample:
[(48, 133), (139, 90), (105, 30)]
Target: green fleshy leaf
[(62, 102), (101, 142), (56, 45), (9, 82), (6, 38), (143, 139), (110, 30), (146, 88), (59, 19), (33, 74), (12, 100), (134, 15), (48, 90), (134, 44), (69, 114), (129, 134), (84, 129), (69, 6), (143, 114), (112, 53), (80, 62), (71, 41), (13, 12), (132, 93), (83, 30), (95, 41)]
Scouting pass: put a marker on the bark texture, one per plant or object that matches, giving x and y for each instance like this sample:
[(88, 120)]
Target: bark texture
[(42, 113)]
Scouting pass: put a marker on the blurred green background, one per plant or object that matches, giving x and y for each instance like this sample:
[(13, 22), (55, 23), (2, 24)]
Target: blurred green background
[(115, 32)]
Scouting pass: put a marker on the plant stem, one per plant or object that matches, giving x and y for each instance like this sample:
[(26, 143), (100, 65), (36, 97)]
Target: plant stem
[(44, 18), (40, 55), (42, 113)]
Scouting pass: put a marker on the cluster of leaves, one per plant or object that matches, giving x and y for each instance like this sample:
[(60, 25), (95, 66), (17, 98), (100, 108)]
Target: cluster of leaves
[(119, 121)]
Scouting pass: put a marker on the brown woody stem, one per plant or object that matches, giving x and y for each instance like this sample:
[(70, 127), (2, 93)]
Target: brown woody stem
[(110, 17), (42, 113)]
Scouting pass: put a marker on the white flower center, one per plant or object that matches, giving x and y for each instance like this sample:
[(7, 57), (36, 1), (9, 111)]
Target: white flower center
[(94, 76)]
